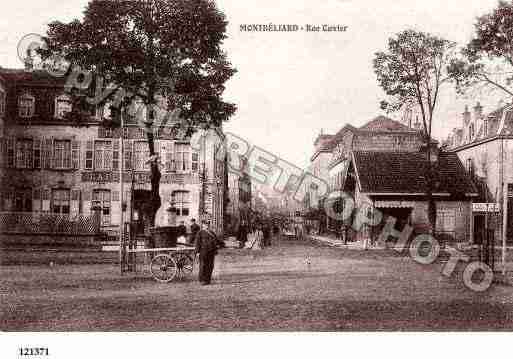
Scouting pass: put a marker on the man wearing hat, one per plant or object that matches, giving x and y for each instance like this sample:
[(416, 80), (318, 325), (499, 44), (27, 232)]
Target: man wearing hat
[(206, 248)]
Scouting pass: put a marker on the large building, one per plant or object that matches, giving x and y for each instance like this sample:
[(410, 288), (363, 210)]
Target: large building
[(484, 144), (54, 163), (382, 164)]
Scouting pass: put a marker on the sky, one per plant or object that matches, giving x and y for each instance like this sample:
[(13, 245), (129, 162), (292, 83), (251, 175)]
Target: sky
[(290, 86)]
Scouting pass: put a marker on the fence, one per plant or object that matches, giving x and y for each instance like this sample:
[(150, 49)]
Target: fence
[(48, 223)]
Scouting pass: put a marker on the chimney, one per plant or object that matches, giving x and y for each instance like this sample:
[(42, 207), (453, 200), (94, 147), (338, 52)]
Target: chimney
[(466, 117), (478, 112)]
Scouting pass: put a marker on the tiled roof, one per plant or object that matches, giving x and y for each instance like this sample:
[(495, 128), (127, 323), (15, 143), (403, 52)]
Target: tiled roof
[(378, 124), (402, 172), (383, 123), (339, 135)]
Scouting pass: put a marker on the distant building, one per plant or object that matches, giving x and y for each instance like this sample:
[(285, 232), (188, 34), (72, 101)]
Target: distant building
[(333, 152), (240, 198)]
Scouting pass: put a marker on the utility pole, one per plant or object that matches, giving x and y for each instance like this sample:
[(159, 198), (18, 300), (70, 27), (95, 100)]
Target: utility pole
[(121, 220)]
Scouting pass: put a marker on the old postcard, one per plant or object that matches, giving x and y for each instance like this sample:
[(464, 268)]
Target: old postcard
[(170, 167)]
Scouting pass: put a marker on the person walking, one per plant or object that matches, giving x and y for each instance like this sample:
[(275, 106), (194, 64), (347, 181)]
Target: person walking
[(206, 250), (243, 234)]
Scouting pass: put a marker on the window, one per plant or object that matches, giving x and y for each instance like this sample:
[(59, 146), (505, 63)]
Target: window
[(182, 157), (180, 203), (2, 102), (128, 156), (445, 220), (63, 105), (24, 153), (37, 154), (141, 156), (101, 200), (115, 156), (89, 155), (62, 154), (10, 152), (195, 161), (26, 106), (60, 201), (102, 155), (23, 200)]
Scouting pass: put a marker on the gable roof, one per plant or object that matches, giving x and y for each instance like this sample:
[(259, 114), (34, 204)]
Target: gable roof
[(383, 123), (377, 124), (401, 173)]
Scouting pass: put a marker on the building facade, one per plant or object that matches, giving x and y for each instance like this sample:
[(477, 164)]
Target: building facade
[(484, 144), (52, 163)]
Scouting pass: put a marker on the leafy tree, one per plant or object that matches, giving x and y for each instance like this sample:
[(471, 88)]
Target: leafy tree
[(412, 71), (487, 60), (165, 53)]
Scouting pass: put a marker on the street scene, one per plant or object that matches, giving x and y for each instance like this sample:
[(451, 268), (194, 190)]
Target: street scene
[(227, 166), (290, 286)]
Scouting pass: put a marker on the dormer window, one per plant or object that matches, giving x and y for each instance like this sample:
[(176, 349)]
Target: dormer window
[(63, 105), (26, 105)]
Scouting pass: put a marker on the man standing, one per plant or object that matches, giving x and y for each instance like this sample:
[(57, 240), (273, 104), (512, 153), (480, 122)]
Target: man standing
[(206, 248), (195, 228)]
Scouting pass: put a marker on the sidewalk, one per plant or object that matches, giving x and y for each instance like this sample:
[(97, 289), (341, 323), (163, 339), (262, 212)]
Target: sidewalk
[(333, 242)]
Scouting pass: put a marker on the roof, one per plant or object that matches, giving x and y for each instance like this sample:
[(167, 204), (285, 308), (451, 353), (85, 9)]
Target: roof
[(378, 124), (383, 123), (401, 172), (31, 78)]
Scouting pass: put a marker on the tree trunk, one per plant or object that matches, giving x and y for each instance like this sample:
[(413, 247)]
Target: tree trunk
[(154, 201)]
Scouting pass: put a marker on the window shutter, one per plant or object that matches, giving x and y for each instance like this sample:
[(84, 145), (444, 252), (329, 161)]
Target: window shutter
[(195, 161), (75, 203), (2, 153), (36, 157), (75, 154), (48, 149), (127, 147), (168, 158), (36, 200), (88, 165), (10, 152), (115, 155), (86, 202), (46, 200)]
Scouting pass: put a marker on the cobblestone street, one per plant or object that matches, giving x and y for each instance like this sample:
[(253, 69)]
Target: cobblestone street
[(290, 286)]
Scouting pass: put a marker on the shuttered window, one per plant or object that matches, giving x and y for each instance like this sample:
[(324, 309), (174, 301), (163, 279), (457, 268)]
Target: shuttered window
[(102, 155), (37, 154), (62, 154), (24, 148), (89, 155)]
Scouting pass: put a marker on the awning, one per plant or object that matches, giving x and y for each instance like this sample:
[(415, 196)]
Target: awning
[(394, 204)]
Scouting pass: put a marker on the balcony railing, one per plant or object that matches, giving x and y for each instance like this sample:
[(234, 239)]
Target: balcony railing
[(48, 223)]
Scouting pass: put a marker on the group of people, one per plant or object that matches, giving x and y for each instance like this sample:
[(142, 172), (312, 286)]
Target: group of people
[(185, 237), (259, 232)]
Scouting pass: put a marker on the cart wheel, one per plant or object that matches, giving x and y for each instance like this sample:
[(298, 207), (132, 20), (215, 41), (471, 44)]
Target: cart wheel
[(185, 264), (163, 268)]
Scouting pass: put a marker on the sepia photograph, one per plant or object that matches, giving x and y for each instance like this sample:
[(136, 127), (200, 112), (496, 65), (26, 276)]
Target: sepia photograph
[(324, 172)]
